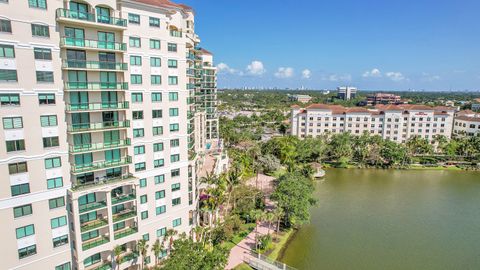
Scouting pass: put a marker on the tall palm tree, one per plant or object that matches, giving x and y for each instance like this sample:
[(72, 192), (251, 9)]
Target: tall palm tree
[(278, 213), (157, 249), (232, 179), (142, 247), (270, 218), (169, 236), (258, 216), (117, 251)]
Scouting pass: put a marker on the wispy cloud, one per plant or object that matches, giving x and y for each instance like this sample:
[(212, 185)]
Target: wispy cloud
[(223, 68), (284, 72), (256, 68), (395, 76), (306, 74), (337, 77), (374, 73), (430, 77)]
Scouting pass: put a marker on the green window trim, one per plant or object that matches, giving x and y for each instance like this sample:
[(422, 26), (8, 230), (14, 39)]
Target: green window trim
[(23, 210), (159, 179), (25, 231)]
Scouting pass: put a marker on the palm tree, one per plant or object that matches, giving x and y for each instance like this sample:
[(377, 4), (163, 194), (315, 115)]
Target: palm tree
[(142, 249), (232, 179), (169, 236), (269, 217), (117, 251), (157, 249), (258, 215), (278, 213)]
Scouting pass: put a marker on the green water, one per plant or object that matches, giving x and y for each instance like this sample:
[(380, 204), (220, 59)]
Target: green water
[(386, 219)]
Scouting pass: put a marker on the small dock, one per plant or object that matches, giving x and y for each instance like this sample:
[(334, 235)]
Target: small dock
[(260, 262)]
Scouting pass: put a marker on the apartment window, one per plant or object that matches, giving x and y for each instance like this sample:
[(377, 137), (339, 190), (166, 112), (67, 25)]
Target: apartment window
[(173, 96), (174, 158), (175, 173), (172, 47), (144, 215), (174, 143), (159, 179), (143, 199), (134, 42), (23, 210), (172, 63), (143, 182), (177, 222), (135, 60), (12, 122), (157, 131), (40, 30), (157, 163), (156, 97), (155, 79), (173, 111), (174, 127), (58, 222), (137, 97), (176, 201), (159, 194), (46, 99), (8, 75), (25, 231), (7, 51), (60, 241), (65, 266), (154, 44), (54, 182), (146, 237), (172, 80), (140, 166), (9, 99), (156, 114), (15, 145), (139, 150), (27, 251), (175, 187), (137, 115), (5, 26), (56, 202), (133, 18), (175, 33), (157, 147), (161, 232), (53, 163), (135, 79), (38, 4), (160, 210), (44, 76), (155, 62), (20, 189), (138, 132), (48, 120), (42, 54), (154, 22)]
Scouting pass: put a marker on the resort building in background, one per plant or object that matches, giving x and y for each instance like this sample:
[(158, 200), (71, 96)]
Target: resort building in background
[(104, 105), (381, 98), (467, 123), (394, 122), (300, 98), (346, 92)]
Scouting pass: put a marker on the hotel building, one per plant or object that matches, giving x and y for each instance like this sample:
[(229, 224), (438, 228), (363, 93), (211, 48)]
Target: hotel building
[(393, 122), (467, 123), (101, 102)]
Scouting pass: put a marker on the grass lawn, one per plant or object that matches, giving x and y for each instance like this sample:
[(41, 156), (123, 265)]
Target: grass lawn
[(237, 238), (279, 243), (242, 266), (438, 168)]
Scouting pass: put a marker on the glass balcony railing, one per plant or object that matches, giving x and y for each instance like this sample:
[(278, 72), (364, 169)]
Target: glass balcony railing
[(93, 225), (128, 257), (99, 165), (190, 56), (89, 106), (105, 266), (103, 45), (102, 182), (123, 198), (125, 215), (92, 206), (126, 232), (79, 86), (90, 17), (99, 146), (98, 126), (190, 86), (95, 243), (82, 64)]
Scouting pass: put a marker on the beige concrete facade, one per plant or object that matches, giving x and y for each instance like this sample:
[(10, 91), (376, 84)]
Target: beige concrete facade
[(467, 123)]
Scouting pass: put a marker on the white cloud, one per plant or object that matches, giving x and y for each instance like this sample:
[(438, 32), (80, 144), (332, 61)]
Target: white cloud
[(256, 68), (306, 74), (223, 68), (337, 77), (395, 76), (374, 73), (284, 72), (430, 78)]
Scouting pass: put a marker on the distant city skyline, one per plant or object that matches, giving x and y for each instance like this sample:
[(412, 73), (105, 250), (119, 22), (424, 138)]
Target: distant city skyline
[(377, 45)]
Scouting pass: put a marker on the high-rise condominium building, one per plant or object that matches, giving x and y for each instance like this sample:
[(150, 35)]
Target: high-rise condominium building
[(346, 92), (394, 122), (99, 103)]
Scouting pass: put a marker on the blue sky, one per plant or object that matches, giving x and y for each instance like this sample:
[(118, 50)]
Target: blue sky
[(371, 44)]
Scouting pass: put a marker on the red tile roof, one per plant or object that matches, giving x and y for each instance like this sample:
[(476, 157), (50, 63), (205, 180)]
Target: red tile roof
[(338, 109), (465, 112), (205, 51), (467, 118), (165, 3)]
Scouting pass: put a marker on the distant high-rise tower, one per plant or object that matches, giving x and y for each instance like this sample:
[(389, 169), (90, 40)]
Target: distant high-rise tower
[(346, 92)]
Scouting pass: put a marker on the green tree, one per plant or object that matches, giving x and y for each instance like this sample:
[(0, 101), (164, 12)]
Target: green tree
[(142, 247), (157, 249), (117, 251)]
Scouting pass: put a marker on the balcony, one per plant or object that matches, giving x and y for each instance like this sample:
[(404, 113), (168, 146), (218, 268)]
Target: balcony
[(123, 198), (95, 243), (125, 232), (92, 147), (105, 181), (190, 86), (105, 266), (101, 106), (100, 165), (94, 65), (95, 86), (92, 206), (89, 127), (130, 213), (93, 225), (190, 56), (91, 44), (128, 257), (85, 18)]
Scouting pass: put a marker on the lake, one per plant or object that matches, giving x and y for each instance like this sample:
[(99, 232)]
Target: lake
[(391, 219)]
